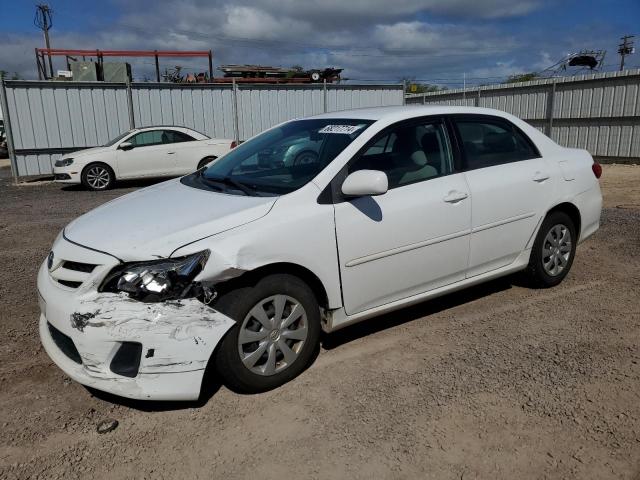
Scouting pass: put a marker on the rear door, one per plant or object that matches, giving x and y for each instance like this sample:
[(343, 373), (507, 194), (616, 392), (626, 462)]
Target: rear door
[(508, 181), (414, 238), (152, 155)]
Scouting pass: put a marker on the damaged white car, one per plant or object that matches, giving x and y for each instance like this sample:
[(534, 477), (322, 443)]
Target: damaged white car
[(240, 265)]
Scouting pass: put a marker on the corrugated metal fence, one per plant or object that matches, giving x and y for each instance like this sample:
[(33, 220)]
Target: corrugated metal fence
[(598, 112), (47, 119)]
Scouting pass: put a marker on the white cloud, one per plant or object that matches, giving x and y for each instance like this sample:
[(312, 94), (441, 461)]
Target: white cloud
[(253, 23), (371, 39)]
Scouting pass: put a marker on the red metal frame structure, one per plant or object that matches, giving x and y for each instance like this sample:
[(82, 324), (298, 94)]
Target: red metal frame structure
[(41, 53)]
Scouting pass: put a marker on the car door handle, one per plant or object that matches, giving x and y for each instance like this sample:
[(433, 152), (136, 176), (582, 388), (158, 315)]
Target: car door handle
[(540, 177), (455, 196), (171, 153)]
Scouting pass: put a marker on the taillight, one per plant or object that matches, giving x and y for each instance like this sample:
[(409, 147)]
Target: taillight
[(234, 144), (597, 169)]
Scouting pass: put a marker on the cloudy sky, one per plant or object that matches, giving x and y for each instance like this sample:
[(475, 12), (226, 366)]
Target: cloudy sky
[(373, 40)]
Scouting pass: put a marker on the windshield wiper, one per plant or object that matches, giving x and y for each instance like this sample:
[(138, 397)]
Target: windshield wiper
[(244, 188)]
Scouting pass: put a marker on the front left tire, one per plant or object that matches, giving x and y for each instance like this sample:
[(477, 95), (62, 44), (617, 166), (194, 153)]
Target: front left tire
[(276, 336), (98, 176)]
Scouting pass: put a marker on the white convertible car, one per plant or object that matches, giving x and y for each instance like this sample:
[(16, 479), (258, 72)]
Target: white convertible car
[(163, 151), (239, 266)]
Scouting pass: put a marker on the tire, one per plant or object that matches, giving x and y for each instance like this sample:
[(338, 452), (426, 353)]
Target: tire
[(265, 365), (550, 262), (306, 158), (98, 177), (204, 161), (315, 76)]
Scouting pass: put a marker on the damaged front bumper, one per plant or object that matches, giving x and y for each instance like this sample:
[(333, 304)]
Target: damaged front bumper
[(168, 344)]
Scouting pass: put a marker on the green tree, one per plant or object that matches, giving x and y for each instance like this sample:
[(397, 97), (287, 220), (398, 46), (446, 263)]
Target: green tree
[(413, 86), (295, 71), (521, 77), (6, 76)]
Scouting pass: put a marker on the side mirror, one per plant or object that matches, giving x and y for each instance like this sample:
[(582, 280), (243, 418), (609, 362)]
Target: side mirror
[(126, 146), (365, 183)]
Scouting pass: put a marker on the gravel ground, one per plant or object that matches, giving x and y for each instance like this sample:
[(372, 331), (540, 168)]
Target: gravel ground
[(499, 381)]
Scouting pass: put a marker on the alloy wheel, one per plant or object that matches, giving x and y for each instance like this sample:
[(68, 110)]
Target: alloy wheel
[(98, 177)]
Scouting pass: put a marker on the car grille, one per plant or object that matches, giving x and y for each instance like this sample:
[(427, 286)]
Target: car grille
[(79, 267), (68, 283), (64, 343), (71, 274)]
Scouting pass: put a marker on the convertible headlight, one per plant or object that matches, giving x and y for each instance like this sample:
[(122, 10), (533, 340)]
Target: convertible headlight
[(64, 162), (158, 280)]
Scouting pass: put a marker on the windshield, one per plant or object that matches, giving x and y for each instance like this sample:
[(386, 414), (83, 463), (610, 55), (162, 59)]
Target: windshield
[(117, 139), (280, 160)]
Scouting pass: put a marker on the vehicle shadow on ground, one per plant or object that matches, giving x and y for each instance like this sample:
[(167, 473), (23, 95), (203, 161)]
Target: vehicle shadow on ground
[(212, 384), (418, 311)]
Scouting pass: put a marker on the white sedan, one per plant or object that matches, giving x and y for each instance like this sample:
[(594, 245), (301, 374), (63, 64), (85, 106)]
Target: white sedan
[(239, 266), (162, 151)]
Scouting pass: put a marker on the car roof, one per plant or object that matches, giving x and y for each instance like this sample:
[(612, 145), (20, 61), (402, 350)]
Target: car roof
[(407, 111), (174, 127)]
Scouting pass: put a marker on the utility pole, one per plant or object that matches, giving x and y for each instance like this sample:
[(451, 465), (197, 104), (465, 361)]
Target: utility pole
[(625, 48), (43, 21)]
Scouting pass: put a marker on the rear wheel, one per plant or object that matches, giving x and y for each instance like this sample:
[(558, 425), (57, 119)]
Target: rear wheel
[(553, 250), (98, 176), (204, 161), (276, 336)]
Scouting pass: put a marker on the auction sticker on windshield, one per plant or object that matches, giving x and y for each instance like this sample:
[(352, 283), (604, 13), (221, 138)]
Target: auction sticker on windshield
[(344, 129)]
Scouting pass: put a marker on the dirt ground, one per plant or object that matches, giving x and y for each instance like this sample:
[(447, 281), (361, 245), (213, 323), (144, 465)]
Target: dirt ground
[(499, 381)]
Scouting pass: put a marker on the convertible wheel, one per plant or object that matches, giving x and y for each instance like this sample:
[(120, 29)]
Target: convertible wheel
[(204, 161), (553, 251), (98, 176), (276, 336)]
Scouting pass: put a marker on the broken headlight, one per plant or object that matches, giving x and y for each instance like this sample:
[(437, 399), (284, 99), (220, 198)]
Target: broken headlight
[(158, 280)]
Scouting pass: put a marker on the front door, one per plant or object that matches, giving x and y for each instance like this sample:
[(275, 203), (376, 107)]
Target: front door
[(415, 237)]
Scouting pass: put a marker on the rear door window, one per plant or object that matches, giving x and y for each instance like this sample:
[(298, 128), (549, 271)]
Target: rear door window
[(487, 142), (173, 136)]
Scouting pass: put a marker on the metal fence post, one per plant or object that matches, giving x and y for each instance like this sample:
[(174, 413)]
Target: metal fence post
[(132, 120), (324, 94), (4, 106), (236, 122), (550, 107)]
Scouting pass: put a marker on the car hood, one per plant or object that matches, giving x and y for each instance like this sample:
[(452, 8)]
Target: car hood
[(155, 221), (87, 151)]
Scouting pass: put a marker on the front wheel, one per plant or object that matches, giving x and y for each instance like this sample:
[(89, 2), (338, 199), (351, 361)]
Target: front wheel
[(553, 250), (276, 335), (204, 161), (98, 176)]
